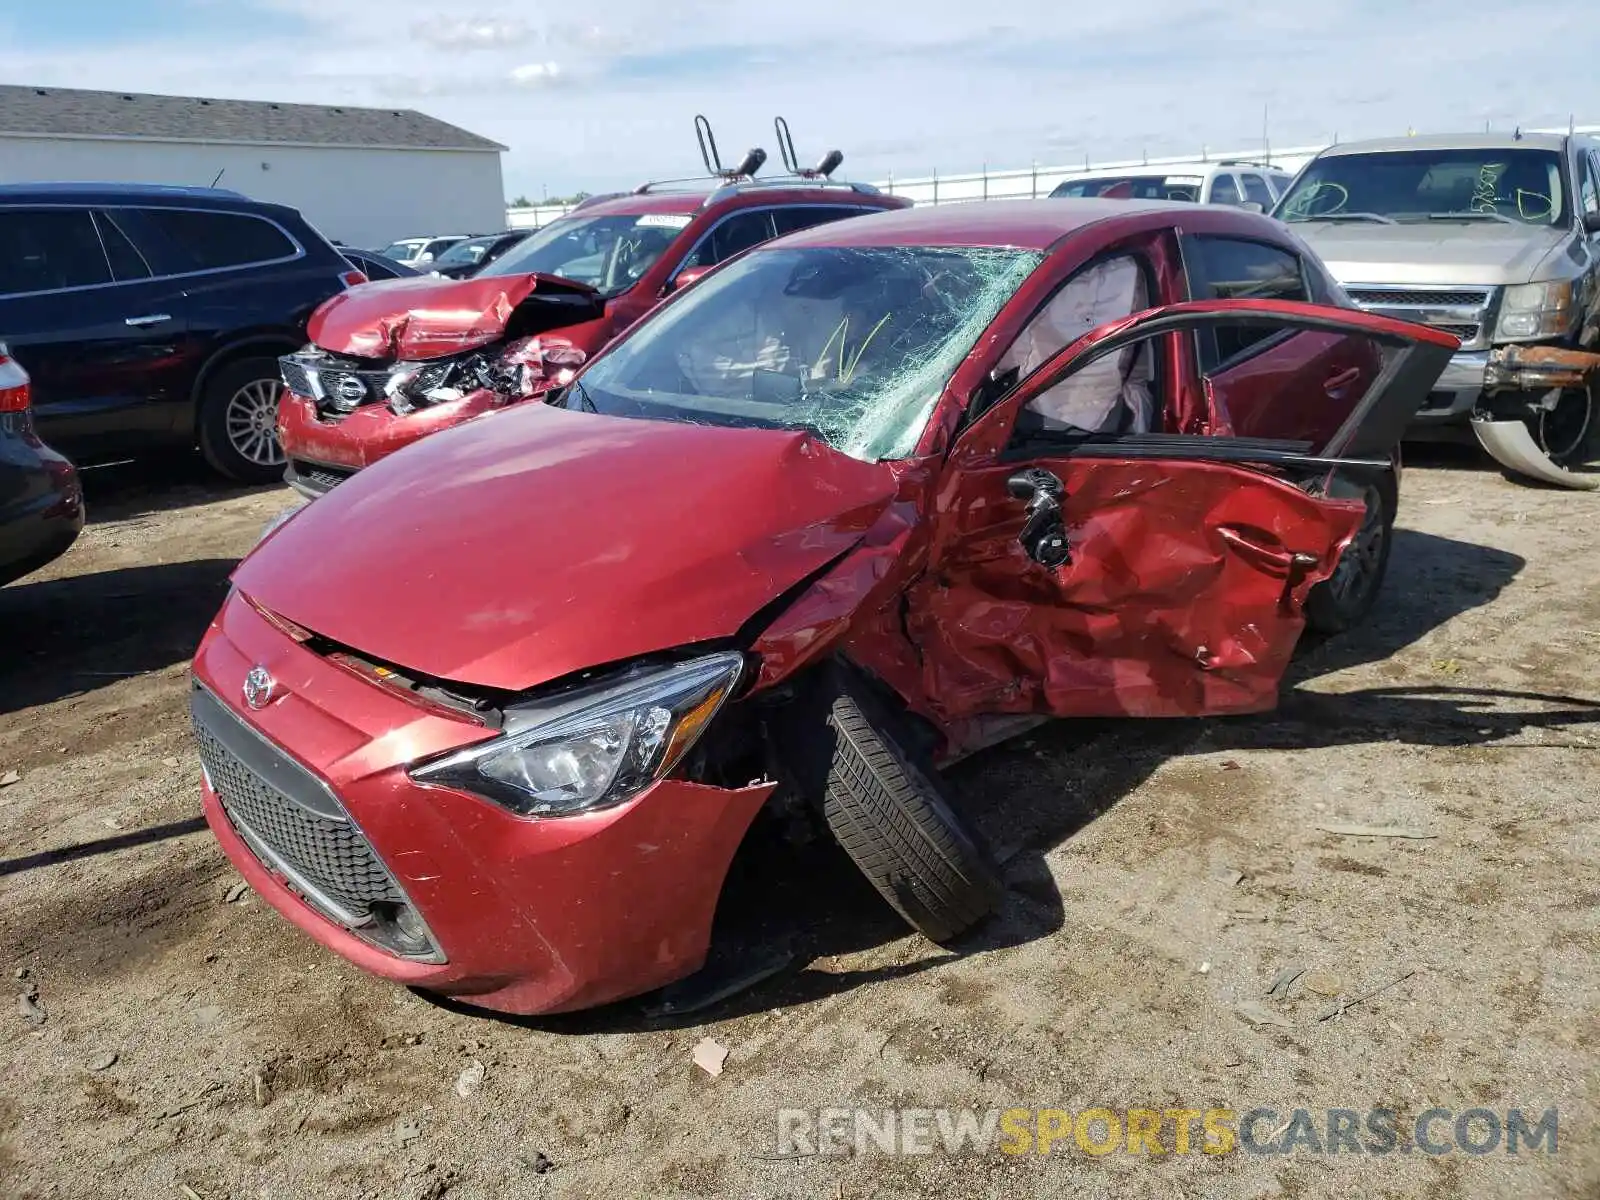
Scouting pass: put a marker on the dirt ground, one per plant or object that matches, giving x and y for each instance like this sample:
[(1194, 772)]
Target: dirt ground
[(249, 1063)]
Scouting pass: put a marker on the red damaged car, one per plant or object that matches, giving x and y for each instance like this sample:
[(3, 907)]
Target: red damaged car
[(493, 717), (393, 362)]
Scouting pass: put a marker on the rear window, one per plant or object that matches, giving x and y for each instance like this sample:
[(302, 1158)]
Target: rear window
[(215, 240), (48, 249), (1232, 269)]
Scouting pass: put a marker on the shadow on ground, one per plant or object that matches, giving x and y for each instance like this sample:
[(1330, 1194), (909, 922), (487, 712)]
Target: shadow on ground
[(76, 634)]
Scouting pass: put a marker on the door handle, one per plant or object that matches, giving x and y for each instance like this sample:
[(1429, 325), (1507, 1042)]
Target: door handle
[(1340, 380), (152, 319)]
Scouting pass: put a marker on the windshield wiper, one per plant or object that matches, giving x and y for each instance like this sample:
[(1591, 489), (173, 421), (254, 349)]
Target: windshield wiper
[(1471, 216), (577, 388), (1377, 218)]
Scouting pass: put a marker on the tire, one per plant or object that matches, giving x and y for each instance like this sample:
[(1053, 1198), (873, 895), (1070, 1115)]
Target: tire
[(893, 820), (1340, 603), (1563, 433), (238, 421)]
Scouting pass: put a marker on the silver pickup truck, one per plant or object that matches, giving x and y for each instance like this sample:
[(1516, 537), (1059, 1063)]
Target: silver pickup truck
[(1496, 238)]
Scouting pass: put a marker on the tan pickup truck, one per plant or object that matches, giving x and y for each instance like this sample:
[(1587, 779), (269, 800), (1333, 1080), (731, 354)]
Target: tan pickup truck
[(1496, 238)]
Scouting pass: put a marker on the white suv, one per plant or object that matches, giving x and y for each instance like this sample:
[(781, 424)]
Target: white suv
[(1232, 182)]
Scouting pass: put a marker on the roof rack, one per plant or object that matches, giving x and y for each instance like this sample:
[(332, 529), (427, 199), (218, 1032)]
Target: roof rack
[(1247, 162), (747, 168)]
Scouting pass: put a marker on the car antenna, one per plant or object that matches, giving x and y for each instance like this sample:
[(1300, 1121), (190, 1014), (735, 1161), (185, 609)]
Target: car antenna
[(220, 174), (791, 161)]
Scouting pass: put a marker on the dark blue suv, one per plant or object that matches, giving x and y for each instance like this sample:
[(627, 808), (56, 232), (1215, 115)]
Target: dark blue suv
[(152, 316)]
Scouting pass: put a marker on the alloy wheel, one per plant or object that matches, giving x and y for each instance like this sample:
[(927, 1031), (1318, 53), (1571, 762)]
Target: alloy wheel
[(252, 422)]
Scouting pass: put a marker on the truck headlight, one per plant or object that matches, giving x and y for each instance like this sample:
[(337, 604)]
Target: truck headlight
[(595, 746), (1534, 310)]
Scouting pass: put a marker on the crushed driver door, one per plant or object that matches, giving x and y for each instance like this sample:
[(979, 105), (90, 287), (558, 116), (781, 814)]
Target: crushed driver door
[(1079, 572)]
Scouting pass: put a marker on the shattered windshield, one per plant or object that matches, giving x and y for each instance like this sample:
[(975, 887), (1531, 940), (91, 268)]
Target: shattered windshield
[(852, 343), (610, 254), (1132, 187), (1428, 185)]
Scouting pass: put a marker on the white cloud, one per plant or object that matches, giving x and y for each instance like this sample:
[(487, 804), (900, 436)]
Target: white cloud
[(951, 87)]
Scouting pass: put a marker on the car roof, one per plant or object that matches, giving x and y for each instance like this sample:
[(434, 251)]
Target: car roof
[(695, 199), (1024, 224), (1450, 141), (122, 193)]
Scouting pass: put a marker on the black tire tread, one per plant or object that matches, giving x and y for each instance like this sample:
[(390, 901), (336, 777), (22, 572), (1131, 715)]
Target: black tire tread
[(890, 819), (1322, 611)]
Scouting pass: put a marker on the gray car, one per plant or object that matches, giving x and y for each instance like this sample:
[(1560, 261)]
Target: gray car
[(1494, 237)]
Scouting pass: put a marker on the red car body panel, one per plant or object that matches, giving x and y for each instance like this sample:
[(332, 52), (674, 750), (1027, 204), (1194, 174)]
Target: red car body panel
[(538, 916), (513, 553), (543, 542)]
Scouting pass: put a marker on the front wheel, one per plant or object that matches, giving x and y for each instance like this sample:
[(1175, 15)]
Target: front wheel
[(238, 421), (1342, 601), (891, 816)]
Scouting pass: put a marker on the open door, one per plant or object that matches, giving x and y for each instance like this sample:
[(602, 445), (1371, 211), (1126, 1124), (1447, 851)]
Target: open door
[(1087, 561)]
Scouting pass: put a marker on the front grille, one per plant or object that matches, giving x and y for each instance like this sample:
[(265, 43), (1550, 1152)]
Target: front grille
[(1466, 333), (295, 378), (281, 808), (1421, 299), (317, 476)]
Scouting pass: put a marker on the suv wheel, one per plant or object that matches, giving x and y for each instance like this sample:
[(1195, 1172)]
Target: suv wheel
[(1342, 601), (238, 421)]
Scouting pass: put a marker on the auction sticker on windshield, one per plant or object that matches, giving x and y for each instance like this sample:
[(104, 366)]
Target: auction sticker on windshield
[(663, 221)]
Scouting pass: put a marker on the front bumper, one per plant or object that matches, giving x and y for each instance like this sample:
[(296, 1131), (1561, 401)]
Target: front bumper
[(1456, 393), (371, 432), (528, 916)]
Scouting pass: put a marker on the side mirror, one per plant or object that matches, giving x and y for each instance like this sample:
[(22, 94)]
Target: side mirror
[(1253, 206), (1591, 222), (687, 276)]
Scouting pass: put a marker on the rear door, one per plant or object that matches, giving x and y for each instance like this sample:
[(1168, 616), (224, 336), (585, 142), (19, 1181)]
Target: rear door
[(101, 336), (1271, 382), (1144, 573)]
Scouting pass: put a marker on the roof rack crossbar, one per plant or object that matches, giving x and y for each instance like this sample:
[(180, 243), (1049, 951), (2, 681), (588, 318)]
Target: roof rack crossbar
[(791, 161)]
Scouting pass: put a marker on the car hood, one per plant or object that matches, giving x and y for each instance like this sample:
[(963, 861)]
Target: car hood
[(535, 542), (430, 316), (1437, 252)]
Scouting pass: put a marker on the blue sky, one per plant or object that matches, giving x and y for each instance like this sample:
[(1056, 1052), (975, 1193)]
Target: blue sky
[(601, 95)]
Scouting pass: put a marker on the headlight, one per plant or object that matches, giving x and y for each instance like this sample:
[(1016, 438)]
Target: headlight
[(595, 746), (1532, 310)]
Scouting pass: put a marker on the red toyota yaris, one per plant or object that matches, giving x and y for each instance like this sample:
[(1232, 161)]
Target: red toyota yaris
[(493, 717)]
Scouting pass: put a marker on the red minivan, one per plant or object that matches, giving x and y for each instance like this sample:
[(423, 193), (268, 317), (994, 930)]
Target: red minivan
[(493, 717)]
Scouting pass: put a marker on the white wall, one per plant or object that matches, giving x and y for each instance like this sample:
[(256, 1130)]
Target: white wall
[(362, 197)]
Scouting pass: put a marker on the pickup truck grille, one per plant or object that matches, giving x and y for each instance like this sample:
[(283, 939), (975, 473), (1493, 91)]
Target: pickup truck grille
[(1375, 297), (1467, 313)]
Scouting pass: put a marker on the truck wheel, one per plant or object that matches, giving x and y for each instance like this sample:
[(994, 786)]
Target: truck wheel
[(1342, 602), (1563, 431), (238, 421), (893, 821)]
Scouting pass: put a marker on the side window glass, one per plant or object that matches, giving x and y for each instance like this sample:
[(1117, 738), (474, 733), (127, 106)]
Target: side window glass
[(1255, 188), (1589, 191), (1231, 269), (44, 250), (1225, 191), (788, 220), (126, 261), (738, 233), (1112, 394), (214, 240)]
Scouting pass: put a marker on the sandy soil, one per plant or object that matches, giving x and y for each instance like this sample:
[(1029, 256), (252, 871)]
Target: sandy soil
[(249, 1063)]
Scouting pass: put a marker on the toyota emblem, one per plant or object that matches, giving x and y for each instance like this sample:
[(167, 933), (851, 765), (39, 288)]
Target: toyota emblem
[(258, 687)]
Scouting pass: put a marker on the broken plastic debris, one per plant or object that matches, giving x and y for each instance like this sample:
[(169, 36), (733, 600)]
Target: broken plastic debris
[(9, 778), (236, 893), (1284, 980), (1350, 1001), (1228, 877), (1259, 1014), (709, 1055), (1323, 983), (468, 1081), (1388, 831)]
